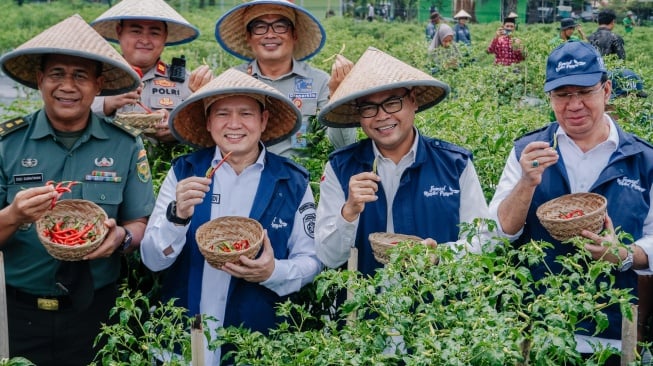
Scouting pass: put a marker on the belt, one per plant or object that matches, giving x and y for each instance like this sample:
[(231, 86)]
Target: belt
[(48, 303)]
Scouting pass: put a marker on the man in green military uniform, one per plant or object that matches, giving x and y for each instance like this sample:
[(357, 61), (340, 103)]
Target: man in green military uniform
[(56, 308), (143, 28)]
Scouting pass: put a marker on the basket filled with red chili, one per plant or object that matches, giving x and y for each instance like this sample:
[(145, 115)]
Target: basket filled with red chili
[(567, 216), (72, 229), (226, 238)]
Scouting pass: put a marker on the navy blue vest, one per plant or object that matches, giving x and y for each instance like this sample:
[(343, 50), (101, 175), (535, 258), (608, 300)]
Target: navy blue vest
[(625, 182), (282, 188), (427, 202)]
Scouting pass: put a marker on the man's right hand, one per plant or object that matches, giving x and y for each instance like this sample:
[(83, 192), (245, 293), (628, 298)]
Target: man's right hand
[(30, 204), (189, 193), (362, 189)]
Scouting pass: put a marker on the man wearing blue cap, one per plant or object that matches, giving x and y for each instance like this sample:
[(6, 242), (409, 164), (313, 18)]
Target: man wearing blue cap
[(592, 154)]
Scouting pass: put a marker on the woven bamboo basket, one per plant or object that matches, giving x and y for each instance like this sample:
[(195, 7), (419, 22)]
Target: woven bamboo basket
[(73, 209), (381, 242), (593, 205), (145, 122), (230, 229)]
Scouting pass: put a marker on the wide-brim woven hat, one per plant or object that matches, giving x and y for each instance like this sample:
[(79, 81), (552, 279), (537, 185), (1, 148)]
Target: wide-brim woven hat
[(374, 72), (73, 37), (462, 14), (179, 29), (188, 121), (231, 28)]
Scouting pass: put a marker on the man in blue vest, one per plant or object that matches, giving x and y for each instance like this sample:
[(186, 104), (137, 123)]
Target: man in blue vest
[(398, 180), (592, 154), (234, 114)]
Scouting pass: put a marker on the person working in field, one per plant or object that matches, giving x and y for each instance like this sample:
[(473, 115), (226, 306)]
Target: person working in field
[(56, 308), (568, 27), (229, 120), (397, 180), (583, 151)]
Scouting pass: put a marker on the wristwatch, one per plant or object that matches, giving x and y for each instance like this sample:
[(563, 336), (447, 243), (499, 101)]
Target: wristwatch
[(627, 262), (171, 215), (127, 241)]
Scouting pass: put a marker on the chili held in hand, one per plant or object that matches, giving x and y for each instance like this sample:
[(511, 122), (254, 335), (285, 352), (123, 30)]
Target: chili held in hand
[(61, 188)]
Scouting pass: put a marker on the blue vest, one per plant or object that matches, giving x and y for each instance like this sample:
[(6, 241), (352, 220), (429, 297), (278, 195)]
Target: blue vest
[(625, 182), (248, 304), (427, 202)]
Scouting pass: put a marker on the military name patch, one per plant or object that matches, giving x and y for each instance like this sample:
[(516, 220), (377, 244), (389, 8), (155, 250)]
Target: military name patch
[(28, 178)]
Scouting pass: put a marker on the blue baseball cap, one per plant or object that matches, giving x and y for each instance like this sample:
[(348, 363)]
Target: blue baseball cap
[(625, 82), (573, 63)]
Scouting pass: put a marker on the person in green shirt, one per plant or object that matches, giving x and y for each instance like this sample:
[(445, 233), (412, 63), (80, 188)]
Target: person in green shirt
[(566, 32), (629, 21), (56, 308)]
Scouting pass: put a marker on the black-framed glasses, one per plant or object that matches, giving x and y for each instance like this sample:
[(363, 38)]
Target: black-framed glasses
[(390, 105), (260, 27), (583, 95)]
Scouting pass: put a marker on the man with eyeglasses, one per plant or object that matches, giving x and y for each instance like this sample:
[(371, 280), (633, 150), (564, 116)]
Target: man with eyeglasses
[(584, 151), (276, 37), (397, 180)]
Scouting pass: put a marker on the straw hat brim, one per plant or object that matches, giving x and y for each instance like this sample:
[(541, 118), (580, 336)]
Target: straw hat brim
[(188, 121), (73, 37), (462, 14), (179, 29), (231, 32), (376, 72)]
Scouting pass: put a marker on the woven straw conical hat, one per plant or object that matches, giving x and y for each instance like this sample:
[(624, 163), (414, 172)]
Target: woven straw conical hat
[(188, 121), (375, 72), (231, 28), (179, 29), (73, 37), (462, 14)]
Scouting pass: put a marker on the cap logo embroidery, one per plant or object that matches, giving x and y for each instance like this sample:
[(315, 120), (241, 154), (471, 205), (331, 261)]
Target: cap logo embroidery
[(104, 162), (569, 65)]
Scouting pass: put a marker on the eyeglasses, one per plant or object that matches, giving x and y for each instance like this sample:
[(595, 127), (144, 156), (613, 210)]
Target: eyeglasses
[(583, 95), (260, 27), (390, 105)]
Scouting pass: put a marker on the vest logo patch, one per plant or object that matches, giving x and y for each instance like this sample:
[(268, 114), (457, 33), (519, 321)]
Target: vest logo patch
[(445, 191), (277, 223), (630, 183)]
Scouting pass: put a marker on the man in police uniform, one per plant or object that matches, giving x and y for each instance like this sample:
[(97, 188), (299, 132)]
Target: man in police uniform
[(143, 28), (275, 37), (56, 308)]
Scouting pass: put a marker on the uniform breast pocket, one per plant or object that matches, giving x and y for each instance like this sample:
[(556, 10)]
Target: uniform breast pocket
[(107, 195)]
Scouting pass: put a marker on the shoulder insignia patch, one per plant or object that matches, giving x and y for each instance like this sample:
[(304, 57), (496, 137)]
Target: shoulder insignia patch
[(161, 68), (127, 128), (143, 167), (11, 125)]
